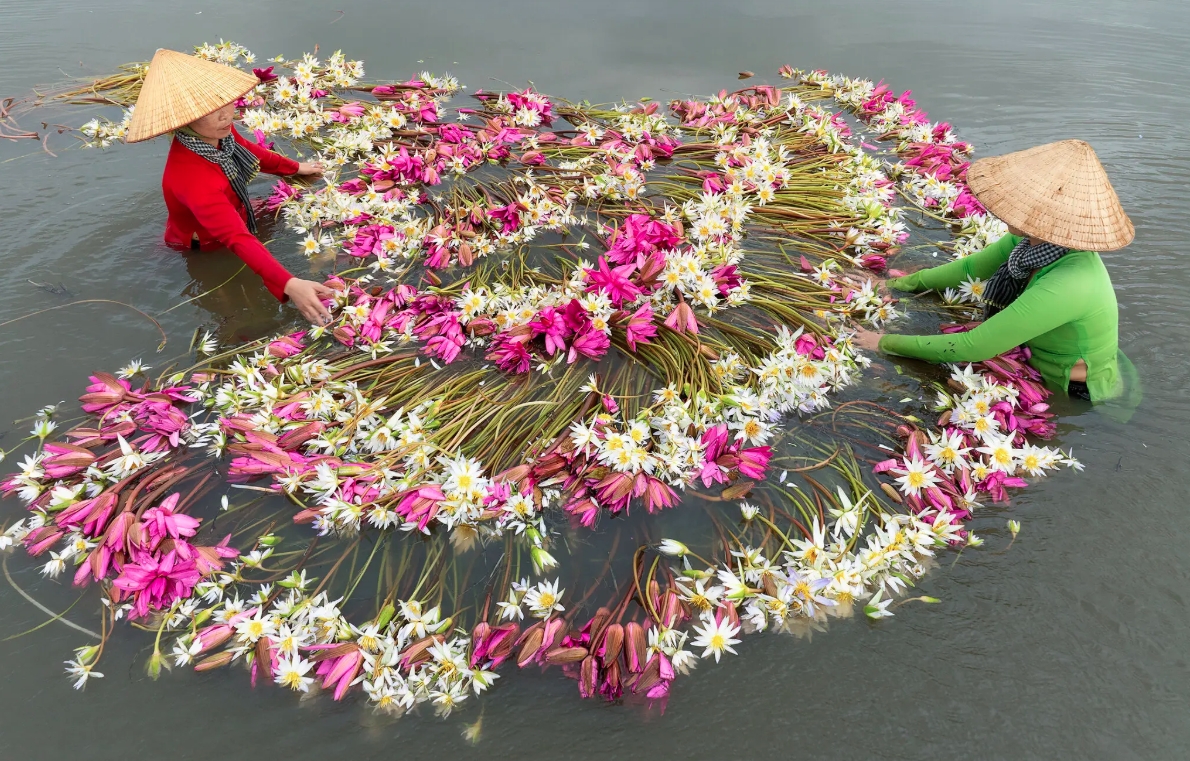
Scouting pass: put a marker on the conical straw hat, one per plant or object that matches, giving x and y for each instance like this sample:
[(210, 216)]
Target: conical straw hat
[(1058, 192), (180, 88)]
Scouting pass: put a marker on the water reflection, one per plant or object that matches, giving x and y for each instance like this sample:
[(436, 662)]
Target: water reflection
[(235, 298)]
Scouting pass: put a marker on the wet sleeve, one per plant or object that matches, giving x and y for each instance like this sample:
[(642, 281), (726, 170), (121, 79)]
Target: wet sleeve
[(982, 264), (1056, 299), (215, 212), (270, 162)]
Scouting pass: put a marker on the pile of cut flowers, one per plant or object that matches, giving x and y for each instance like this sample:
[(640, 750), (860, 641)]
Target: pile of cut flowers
[(589, 402)]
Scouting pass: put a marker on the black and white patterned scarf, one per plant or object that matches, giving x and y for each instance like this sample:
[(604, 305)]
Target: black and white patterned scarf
[(236, 161), (1010, 280)]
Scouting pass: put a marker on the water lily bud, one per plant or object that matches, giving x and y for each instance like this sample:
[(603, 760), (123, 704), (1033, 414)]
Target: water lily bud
[(153, 669), (386, 615), (596, 625), (414, 654), (298, 436), (562, 655), (588, 676), (213, 636), (769, 584), (542, 560), (295, 580), (500, 645), (479, 636), (673, 548), (654, 592), (649, 675), (1014, 528), (613, 643), (892, 493), (634, 647), (612, 686), (671, 609), (530, 643), (264, 658), (136, 533), (214, 662)]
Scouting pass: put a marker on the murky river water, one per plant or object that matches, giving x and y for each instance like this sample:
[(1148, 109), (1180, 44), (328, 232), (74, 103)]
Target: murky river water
[(1071, 645)]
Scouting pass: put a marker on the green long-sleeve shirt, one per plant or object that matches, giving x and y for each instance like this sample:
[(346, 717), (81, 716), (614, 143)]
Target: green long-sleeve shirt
[(1067, 312)]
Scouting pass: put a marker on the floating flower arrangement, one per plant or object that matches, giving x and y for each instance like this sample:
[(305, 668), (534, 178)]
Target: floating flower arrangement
[(557, 326)]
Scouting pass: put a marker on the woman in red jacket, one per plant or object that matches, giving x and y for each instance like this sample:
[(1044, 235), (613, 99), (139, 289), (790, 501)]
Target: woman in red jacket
[(209, 166)]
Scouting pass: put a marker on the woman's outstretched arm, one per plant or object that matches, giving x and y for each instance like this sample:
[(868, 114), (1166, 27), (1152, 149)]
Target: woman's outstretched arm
[(1053, 300), (982, 264)]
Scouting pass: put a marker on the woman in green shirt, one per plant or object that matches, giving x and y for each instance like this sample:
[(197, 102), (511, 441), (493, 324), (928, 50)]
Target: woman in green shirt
[(1046, 287)]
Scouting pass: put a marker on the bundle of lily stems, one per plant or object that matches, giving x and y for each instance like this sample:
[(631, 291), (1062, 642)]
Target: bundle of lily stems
[(571, 344)]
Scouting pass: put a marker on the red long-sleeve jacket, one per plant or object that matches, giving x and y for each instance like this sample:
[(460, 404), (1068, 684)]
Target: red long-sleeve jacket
[(203, 205)]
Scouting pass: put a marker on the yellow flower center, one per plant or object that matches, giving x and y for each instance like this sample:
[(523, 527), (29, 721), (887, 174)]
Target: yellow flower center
[(292, 680)]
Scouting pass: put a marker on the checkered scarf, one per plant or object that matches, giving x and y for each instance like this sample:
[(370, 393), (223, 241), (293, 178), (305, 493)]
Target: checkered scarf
[(236, 161), (1010, 280)]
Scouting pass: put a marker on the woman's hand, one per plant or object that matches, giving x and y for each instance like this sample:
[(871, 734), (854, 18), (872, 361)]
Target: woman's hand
[(897, 274), (307, 296), (311, 169), (867, 339)]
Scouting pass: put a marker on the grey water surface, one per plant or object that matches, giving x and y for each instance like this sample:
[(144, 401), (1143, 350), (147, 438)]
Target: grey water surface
[(1073, 644)]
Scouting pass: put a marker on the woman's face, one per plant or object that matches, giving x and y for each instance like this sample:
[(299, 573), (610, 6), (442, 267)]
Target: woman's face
[(217, 124)]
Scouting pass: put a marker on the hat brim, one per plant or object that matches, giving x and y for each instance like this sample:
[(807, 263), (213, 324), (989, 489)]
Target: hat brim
[(1057, 192)]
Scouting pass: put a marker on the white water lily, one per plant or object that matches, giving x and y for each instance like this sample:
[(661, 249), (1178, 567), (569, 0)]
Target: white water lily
[(716, 637)]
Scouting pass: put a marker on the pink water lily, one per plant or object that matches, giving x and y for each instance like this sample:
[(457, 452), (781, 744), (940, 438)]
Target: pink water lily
[(551, 324), (162, 522), (614, 282), (640, 327), (509, 217), (592, 344), (510, 355), (156, 582)]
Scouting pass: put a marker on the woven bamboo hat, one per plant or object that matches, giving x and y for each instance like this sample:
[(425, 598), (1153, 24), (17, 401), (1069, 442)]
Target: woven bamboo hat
[(180, 88), (1058, 192)]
